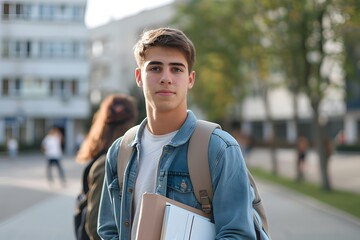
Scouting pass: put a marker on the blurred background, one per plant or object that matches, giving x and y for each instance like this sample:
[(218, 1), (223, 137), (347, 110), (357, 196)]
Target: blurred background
[(270, 72)]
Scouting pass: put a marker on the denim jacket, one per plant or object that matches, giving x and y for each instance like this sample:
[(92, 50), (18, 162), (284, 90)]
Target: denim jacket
[(232, 199)]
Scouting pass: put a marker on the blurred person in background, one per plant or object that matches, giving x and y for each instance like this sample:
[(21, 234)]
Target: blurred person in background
[(51, 147), (302, 146), (12, 147), (117, 113)]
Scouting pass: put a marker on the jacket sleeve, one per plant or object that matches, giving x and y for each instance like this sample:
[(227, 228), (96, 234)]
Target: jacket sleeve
[(107, 226), (232, 200), (95, 180)]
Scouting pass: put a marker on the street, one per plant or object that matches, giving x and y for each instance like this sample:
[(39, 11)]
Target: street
[(33, 209)]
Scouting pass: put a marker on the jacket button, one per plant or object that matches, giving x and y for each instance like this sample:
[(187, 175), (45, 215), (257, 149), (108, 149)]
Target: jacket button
[(126, 223), (130, 190)]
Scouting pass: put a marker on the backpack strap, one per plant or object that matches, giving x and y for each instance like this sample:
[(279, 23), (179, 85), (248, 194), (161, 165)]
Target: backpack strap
[(198, 163), (257, 203), (200, 176), (124, 154)]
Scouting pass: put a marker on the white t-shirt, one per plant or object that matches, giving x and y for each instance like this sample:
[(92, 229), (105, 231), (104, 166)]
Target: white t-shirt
[(52, 146), (150, 152)]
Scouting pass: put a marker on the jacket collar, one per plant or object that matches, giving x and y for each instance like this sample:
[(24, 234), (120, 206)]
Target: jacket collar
[(181, 137)]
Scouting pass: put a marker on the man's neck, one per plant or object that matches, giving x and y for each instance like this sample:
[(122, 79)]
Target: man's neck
[(163, 123)]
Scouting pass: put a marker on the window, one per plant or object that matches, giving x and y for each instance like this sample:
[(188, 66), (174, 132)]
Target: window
[(280, 128), (60, 49), (257, 130), (6, 10), (17, 49), (63, 88), (45, 11), (74, 87), (17, 87), (5, 87), (77, 13), (56, 49), (11, 87), (5, 48), (16, 11), (33, 86)]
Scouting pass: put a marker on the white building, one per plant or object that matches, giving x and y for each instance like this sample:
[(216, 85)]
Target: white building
[(43, 69), (113, 64)]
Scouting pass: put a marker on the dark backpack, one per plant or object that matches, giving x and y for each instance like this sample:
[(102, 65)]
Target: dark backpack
[(81, 206), (199, 172)]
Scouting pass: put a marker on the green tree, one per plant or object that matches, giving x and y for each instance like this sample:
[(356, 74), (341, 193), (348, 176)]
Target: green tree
[(232, 56), (241, 42), (221, 30), (310, 36)]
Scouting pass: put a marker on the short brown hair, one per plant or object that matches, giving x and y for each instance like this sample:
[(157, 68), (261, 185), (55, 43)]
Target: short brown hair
[(165, 37)]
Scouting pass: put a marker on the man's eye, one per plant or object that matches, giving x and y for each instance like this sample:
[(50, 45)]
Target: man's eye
[(177, 70), (155, 69)]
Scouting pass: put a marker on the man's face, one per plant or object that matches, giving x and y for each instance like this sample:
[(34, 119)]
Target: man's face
[(165, 80)]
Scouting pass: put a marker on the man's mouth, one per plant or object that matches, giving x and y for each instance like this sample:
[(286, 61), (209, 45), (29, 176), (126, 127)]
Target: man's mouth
[(165, 92)]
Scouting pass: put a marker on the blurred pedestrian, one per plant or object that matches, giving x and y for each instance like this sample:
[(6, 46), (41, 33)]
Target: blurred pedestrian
[(51, 147), (12, 147), (329, 148), (117, 113), (302, 146), (244, 141), (340, 138)]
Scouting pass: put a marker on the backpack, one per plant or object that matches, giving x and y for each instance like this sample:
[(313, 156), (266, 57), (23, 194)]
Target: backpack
[(81, 202), (81, 206), (199, 171)]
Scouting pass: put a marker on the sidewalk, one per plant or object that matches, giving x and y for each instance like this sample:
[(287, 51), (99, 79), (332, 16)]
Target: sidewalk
[(48, 212), (30, 207), (293, 216), (344, 169)]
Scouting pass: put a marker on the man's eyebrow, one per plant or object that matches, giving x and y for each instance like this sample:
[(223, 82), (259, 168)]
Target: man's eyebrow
[(172, 64), (178, 64), (155, 63)]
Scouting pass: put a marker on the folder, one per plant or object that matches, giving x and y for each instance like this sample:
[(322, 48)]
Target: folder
[(182, 224), (152, 212)]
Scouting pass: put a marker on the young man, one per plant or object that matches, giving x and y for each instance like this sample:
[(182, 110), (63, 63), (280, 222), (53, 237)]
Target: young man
[(165, 58)]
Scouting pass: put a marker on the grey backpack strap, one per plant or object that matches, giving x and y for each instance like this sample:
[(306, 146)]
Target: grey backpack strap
[(124, 154), (198, 163)]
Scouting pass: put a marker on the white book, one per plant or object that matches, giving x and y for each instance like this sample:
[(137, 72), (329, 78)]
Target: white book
[(181, 224)]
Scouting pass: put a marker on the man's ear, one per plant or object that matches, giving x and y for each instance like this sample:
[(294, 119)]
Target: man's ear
[(138, 77), (191, 79)]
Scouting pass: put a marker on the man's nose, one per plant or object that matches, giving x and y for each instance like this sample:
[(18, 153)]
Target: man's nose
[(166, 76)]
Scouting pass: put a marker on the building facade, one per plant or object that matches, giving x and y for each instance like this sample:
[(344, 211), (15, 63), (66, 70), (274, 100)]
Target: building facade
[(43, 70)]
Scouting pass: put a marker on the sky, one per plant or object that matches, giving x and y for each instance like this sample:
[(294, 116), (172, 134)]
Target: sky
[(99, 12)]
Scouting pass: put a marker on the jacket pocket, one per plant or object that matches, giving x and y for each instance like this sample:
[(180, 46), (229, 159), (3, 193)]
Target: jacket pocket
[(180, 189)]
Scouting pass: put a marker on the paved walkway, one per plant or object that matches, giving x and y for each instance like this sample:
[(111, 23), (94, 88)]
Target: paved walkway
[(32, 209), (344, 169)]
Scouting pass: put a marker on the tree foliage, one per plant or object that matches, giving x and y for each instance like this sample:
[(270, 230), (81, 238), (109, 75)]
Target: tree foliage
[(239, 42), (312, 36), (225, 38)]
